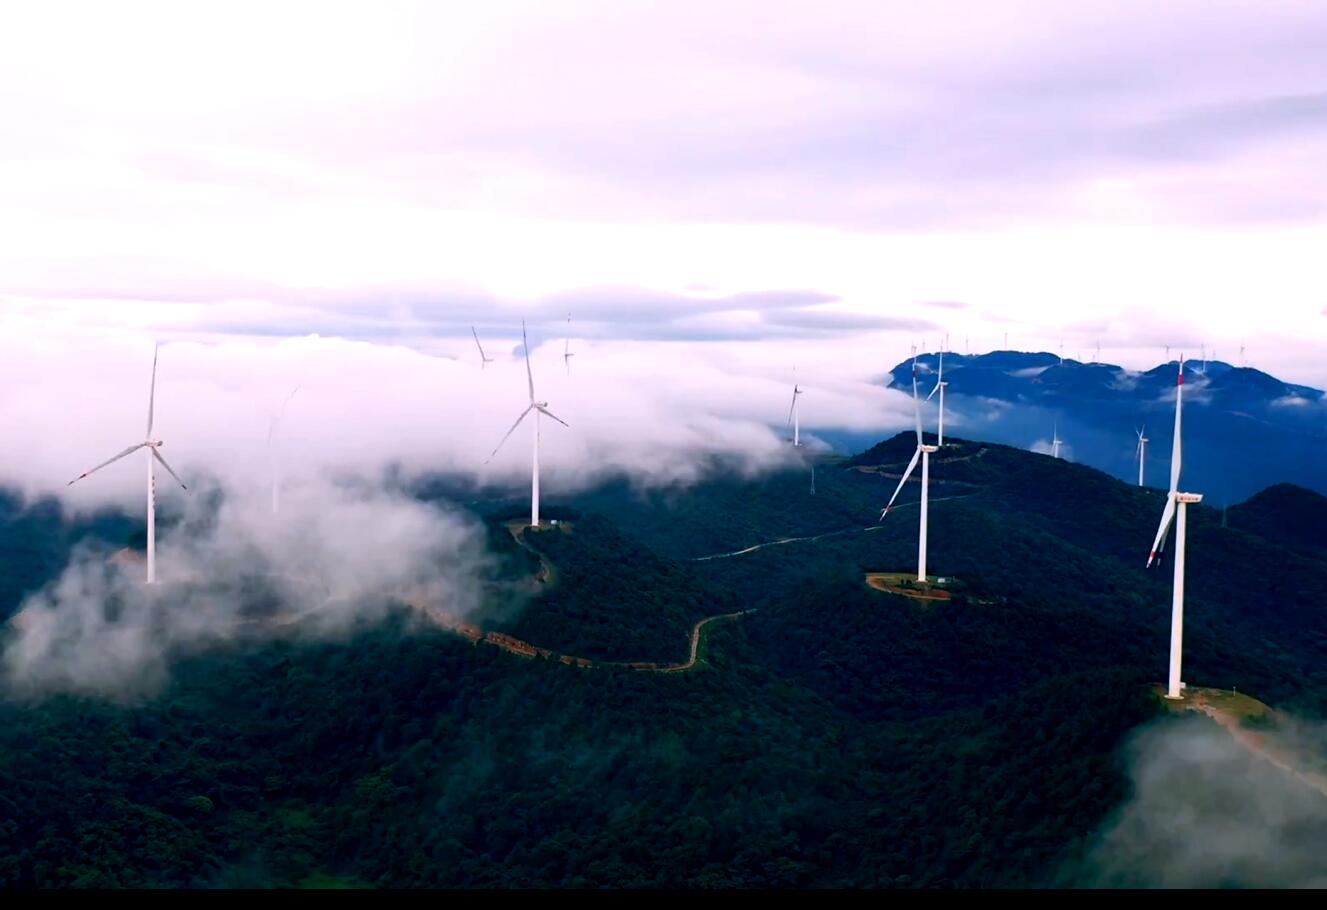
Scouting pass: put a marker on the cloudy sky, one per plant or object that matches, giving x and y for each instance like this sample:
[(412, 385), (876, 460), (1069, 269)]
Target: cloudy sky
[(713, 191)]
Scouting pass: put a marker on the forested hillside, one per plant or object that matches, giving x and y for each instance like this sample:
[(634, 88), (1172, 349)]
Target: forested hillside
[(837, 736)]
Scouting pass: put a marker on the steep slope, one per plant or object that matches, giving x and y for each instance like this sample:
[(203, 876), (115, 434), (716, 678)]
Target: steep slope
[(1287, 515), (613, 599)]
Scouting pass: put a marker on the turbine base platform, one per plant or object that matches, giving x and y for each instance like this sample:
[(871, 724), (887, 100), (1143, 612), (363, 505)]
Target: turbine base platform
[(936, 588)]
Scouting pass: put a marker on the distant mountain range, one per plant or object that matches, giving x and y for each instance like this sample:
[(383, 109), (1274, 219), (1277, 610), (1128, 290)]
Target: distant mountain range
[(1244, 430)]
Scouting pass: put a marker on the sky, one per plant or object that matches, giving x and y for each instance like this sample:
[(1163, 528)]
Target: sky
[(715, 193)]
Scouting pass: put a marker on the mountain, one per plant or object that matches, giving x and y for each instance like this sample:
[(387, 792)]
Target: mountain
[(827, 734), (1291, 516), (1243, 428)]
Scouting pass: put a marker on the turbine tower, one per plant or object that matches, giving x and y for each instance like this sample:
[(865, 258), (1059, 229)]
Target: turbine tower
[(1141, 453), (538, 407), (1176, 510), (923, 452), (272, 453), (153, 457), (566, 348), (483, 358), (1056, 441), (940, 385), (794, 418)]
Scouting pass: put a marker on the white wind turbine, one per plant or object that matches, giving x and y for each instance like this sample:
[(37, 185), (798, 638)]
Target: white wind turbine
[(922, 452), (272, 456), (940, 385), (1177, 511), (566, 349), (154, 456), (538, 407), (794, 418), (483, 358), (1056, 441), (1141, 453)]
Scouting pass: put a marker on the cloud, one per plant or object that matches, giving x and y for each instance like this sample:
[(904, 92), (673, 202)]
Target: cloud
[(335, 555), (369, 418), (1206, 812), (1291, 401), (831, 321), (947, 304), (1044, 447), (657, 412)]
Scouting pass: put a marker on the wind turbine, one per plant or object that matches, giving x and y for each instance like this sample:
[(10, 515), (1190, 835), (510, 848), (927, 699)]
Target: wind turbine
[(566, 349), (1176, 510), (923, 452), (940, 385), (483, 358), (271, 450), (538, 407), (794, 418), (154, 456), (1141, 452), (1056, 441)]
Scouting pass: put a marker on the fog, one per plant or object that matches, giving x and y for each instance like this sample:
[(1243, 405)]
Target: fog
[(656, 411), (229, 569), (1208, 812), (368, 419)]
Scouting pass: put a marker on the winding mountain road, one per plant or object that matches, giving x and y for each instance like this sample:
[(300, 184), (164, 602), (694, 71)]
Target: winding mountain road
[(815, 537), (521, 648)]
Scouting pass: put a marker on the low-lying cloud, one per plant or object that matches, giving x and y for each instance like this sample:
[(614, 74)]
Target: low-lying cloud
[(228, 569), (1208, 812), (657, 412)]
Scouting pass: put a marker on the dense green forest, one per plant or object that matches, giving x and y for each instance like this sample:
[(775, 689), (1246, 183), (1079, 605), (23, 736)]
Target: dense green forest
[(837, 736)]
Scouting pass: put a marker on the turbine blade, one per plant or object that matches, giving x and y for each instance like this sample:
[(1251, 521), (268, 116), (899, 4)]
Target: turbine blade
[(482, 356), (281, 412), (934, 390), (916, 403), (287, 401), (152, 391), (128, 451), (509, 432), (1167, 515), (791, 408), (162, 461), (1177, 453), (917, 411), (916, 456), (528, 374), (547, 413)]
